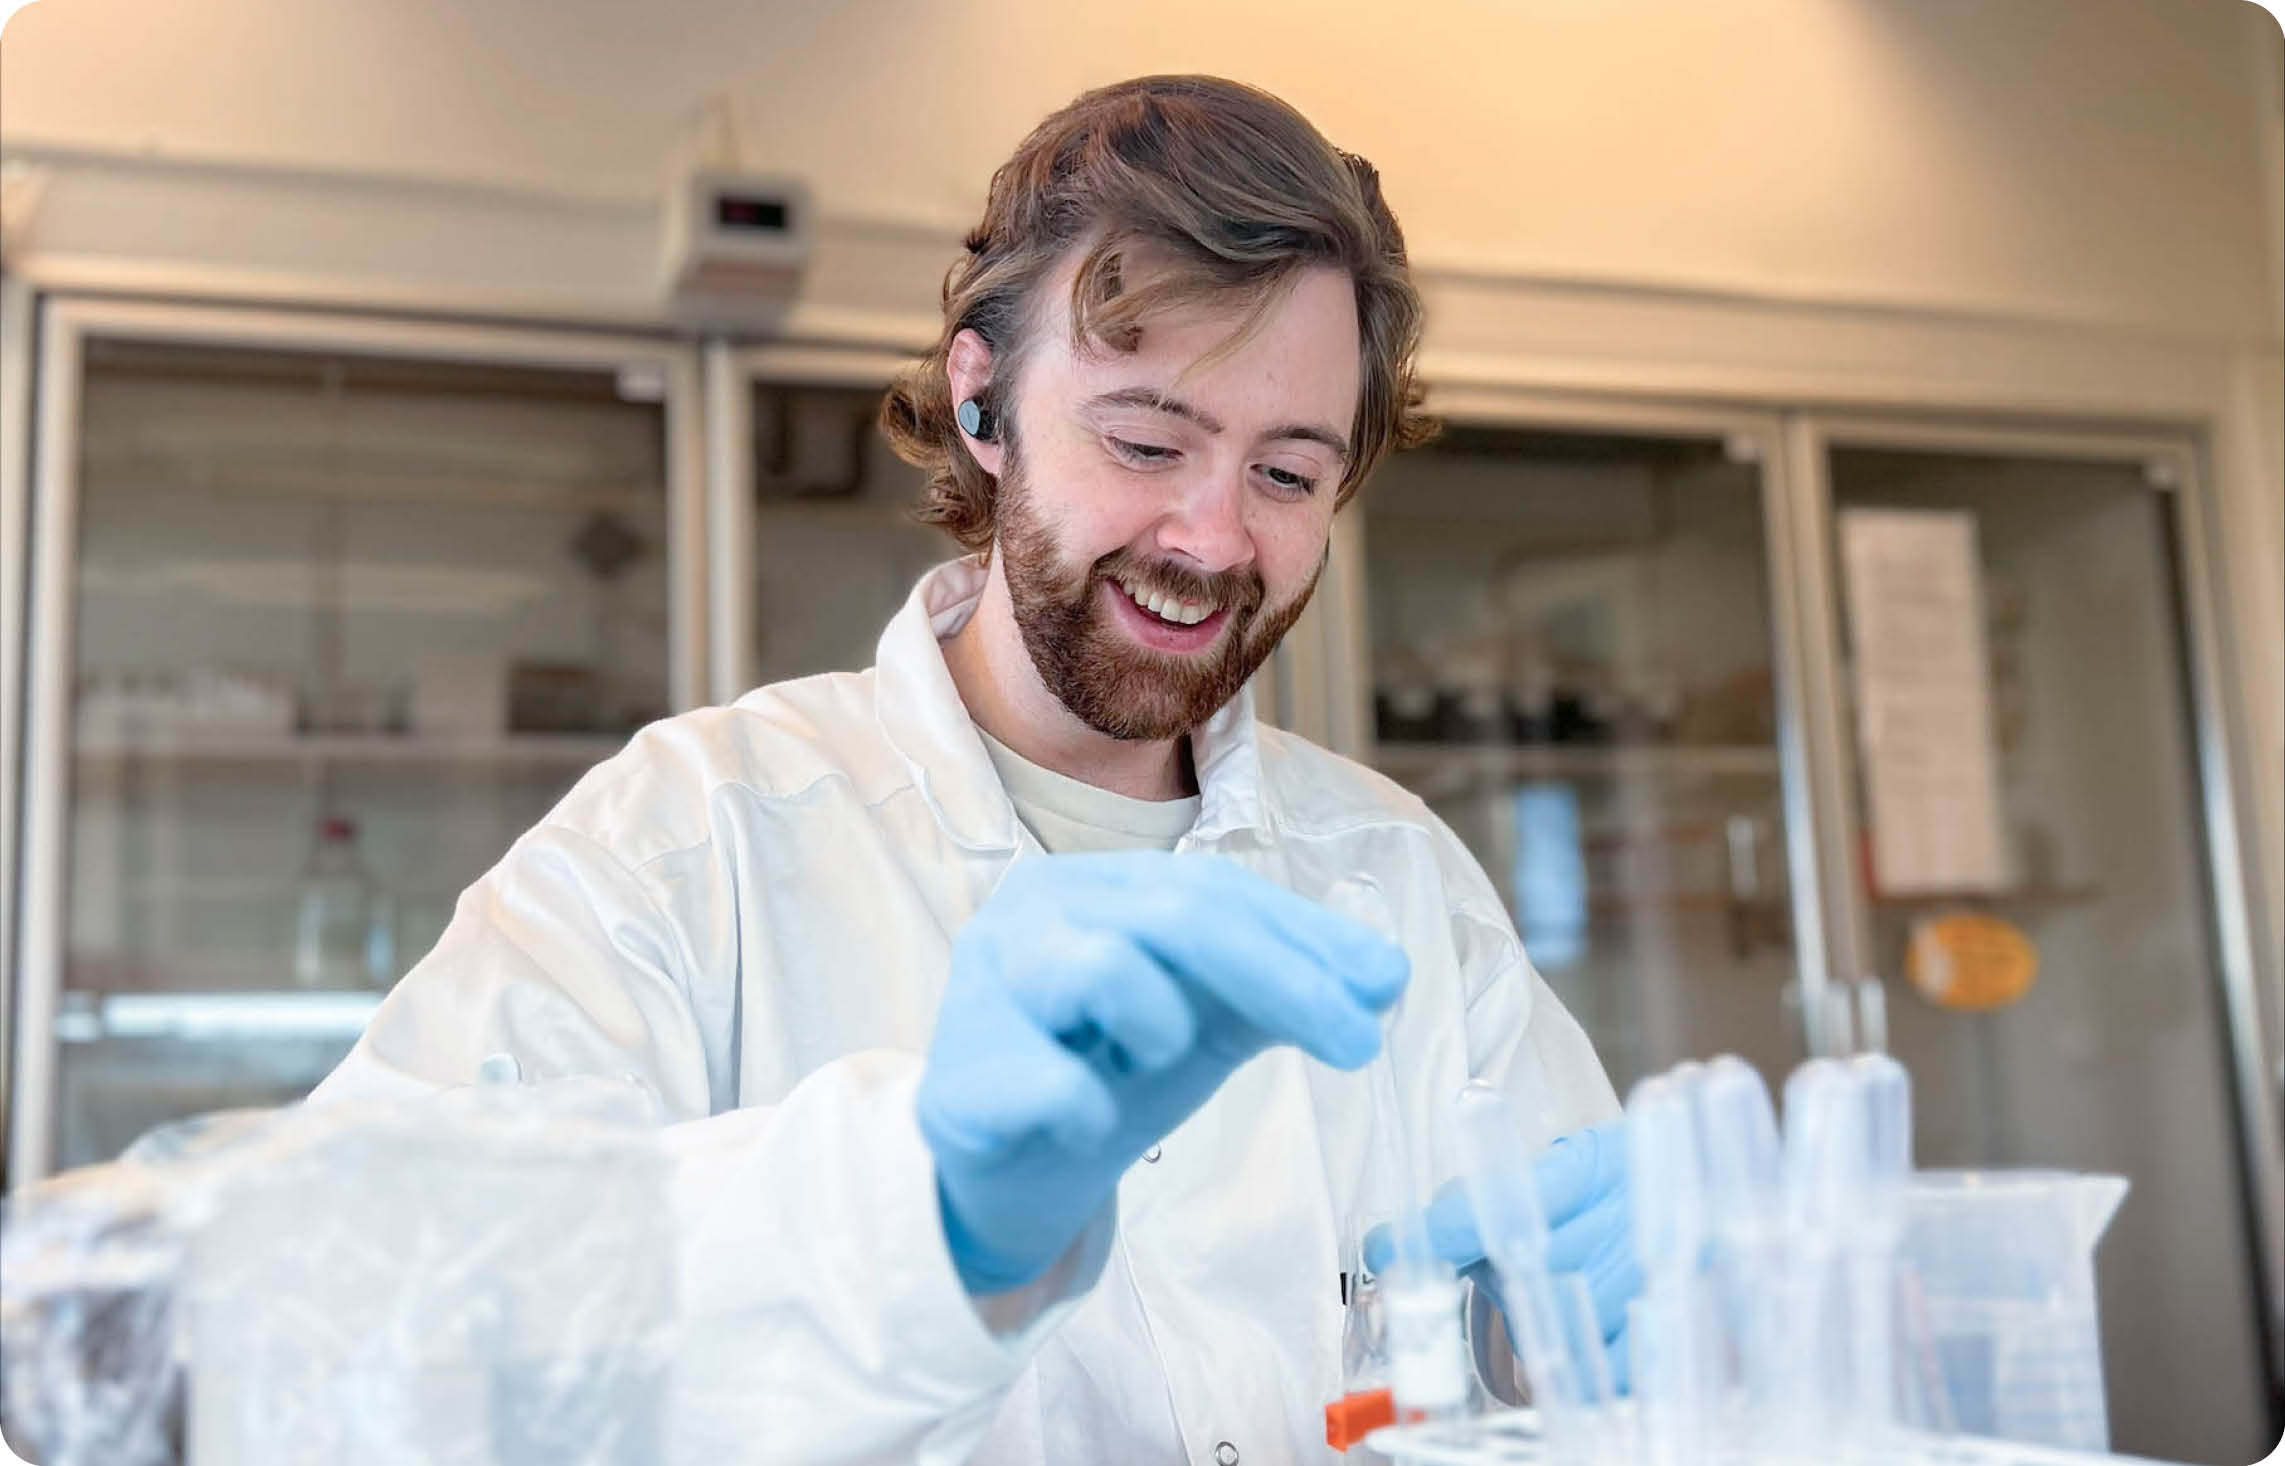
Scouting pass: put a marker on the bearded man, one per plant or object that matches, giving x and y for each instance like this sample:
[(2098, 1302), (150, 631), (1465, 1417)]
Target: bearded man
[(995, 998)]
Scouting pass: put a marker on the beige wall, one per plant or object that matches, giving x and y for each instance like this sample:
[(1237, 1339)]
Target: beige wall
[(2091, 159)]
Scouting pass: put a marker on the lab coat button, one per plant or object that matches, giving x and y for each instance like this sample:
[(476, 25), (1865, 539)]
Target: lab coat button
[(1226, 1454), (1152, 1156)]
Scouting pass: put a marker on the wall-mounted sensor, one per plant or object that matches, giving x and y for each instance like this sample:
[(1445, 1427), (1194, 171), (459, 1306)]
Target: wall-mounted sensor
[(736, 245)]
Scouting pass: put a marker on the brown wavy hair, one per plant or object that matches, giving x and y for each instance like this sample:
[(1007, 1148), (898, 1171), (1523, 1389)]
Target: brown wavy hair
[(1235, 187)]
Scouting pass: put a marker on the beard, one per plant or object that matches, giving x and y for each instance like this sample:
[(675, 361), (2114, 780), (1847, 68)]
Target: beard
[(1109, 681)]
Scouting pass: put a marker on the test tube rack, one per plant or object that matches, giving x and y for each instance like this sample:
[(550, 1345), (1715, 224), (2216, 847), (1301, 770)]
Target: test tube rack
[(1511, 1438)]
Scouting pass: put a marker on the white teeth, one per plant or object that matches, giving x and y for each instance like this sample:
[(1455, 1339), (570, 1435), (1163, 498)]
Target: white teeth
[(1166, 607)]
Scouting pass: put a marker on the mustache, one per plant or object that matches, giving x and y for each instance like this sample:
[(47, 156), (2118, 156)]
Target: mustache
[(1239, 590)]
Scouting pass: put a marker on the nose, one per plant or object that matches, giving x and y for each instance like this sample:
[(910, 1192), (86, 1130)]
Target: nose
[(1207, 524)]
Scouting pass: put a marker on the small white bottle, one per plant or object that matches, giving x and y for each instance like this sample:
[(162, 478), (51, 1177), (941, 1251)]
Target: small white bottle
[(1427, 1355)]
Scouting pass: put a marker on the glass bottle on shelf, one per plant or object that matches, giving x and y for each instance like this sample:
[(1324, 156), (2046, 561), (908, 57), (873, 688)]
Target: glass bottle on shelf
[(342, 936)]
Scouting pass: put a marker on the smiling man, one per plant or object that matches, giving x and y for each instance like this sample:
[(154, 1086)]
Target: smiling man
[(1152, 550), (992, 996)]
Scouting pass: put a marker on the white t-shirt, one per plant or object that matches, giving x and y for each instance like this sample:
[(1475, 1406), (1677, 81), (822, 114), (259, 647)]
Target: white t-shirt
[(1072, 817)]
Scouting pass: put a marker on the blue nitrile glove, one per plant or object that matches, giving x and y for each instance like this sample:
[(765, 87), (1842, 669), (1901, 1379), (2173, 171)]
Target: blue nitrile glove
[(1094, 1002), (1583, 1188)]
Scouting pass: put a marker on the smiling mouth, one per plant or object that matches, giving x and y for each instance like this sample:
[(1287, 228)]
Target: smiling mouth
[(1171, 610)]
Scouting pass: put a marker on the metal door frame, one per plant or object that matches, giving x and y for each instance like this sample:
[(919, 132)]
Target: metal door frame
[(65, 324), (16, 355), (2175, 462), (731, 372), (1340, 678)]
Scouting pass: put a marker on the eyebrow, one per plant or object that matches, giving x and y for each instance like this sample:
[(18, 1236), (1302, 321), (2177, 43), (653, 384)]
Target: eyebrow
[(1153, 400)]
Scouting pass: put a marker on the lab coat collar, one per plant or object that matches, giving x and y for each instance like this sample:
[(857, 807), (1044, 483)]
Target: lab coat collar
[(922, 715)]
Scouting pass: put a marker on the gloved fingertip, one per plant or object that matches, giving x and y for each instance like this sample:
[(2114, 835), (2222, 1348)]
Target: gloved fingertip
[(1380, 973), (1158, 1052), (1350, 1045), (1579, 1168)]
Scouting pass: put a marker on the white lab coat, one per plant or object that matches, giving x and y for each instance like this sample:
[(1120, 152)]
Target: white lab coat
[(750, 910)]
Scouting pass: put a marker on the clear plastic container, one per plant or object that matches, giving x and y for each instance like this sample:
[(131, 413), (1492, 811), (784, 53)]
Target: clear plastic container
[(2004, 1261), (484, 1279)]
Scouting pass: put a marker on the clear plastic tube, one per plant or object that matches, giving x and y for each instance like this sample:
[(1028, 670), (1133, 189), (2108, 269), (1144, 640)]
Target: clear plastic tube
[(1360, 899), (1428, 1372), (1551, 1319), (1666, 1179), (1738, 1127), (1823, 1185), (1884, 1091)]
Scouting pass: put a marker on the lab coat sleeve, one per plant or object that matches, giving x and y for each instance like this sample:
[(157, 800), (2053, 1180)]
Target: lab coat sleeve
[(820, 1315), (1521, 1038)]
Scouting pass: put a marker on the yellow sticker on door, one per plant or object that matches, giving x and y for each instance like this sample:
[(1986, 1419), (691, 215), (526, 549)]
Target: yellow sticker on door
[(1970, 961)]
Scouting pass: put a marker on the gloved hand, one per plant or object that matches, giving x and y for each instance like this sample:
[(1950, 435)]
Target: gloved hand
[(1590, 1230), (1094, 1002)]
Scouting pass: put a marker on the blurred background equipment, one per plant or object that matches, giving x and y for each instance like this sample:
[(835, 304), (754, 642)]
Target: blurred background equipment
[(342, 625), (734, 242)]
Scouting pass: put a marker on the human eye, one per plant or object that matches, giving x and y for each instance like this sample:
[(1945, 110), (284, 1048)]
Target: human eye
[(1288, 482), (1146, 455)]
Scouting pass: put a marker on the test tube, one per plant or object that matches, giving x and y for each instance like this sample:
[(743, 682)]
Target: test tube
[(1495, 1167), (1666, 1180), (1552, 1319), (1884, 1091), (1825, 1156), (1427, 1355), (1738, 1127), (1359, 898)]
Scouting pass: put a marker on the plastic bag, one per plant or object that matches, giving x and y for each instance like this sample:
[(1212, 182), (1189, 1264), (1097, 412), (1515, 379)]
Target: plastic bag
[(89, 1261), (483, 1276)]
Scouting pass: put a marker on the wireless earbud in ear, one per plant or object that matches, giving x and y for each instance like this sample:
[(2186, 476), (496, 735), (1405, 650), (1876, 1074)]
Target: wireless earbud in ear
[(976, 419)]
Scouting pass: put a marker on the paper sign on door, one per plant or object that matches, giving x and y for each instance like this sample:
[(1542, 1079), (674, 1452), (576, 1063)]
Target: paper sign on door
[(1924, 722)]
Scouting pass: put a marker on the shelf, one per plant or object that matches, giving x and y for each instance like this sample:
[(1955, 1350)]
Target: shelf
[(89, 1017), (1496, 761), (513, 750)]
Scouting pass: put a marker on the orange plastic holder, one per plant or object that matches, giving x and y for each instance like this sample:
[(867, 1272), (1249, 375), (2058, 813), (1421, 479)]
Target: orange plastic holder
[(1351, 1418)]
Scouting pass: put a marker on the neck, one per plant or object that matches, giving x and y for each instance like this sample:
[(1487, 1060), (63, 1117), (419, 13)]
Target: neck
[(1004, 694)]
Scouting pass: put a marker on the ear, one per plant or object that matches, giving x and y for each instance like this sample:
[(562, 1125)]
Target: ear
[(968, 369)]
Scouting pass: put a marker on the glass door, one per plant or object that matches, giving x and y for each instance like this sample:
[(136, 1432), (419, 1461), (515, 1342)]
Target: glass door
[(326, 617), (1574, 657), (814, 513), (2031, 875)]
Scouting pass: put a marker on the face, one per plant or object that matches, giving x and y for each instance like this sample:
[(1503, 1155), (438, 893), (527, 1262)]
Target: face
[(1161, 523)]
